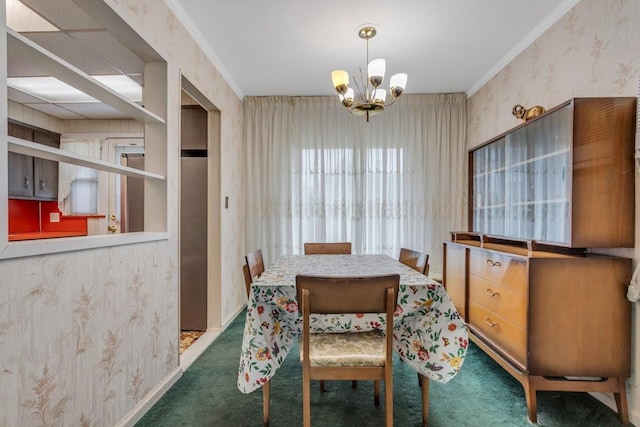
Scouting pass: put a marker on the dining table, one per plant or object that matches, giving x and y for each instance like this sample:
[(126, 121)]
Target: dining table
[(429, 335)]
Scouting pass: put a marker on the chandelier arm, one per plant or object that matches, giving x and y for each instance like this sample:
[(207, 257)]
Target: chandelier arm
[(392, 102), (355, 82), (364, 93)]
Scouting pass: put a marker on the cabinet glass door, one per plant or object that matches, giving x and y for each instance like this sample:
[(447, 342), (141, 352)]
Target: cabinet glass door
[(489, 188), (539, 180), (522, 182)]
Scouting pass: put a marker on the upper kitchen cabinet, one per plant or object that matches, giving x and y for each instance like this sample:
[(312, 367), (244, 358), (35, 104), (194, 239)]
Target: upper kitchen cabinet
[(45, 172), (29, 177), (565, 178), (20, 166)]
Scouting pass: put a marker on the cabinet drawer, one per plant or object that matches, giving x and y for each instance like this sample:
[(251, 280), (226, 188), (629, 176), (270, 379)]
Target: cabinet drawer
[(502, 301), (501, 269), (505, 335)]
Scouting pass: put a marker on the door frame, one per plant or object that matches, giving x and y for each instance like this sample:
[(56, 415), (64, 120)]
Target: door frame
[(214, 247)]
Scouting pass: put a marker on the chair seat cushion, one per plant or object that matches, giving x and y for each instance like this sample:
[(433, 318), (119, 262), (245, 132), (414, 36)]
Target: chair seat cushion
[(347, 349)]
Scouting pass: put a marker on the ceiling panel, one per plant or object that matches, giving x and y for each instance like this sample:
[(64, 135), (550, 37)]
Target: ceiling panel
[(16, 67), (96, 111), (73, 51), (21, 97), (56, 111), (109, 48), (64, 14)]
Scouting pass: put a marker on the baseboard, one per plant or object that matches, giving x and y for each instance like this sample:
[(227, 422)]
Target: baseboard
[(150, 399), (232, 317), (607, 399)]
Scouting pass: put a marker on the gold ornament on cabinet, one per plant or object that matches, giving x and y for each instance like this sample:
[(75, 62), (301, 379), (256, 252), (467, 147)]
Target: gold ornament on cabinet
[(527, 113)]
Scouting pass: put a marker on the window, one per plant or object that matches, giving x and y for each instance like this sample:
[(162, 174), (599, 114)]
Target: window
[(352, 194), (83, 198)]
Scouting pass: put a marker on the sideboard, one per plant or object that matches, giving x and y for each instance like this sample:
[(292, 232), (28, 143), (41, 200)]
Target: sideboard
[(526, 277)]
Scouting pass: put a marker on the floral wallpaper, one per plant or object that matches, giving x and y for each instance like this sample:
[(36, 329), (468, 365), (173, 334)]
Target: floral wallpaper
[(86, 336), (593, 50)]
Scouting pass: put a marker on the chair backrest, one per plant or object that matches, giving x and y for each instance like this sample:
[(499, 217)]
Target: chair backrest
[(417, 260), (255, 263), (339, 295), (338, 248), (247, 277)]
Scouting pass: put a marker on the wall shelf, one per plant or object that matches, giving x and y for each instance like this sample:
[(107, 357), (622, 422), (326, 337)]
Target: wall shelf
[(21, 146)]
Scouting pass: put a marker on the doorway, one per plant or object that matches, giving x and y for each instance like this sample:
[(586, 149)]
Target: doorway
[(199, 221), (113, 187), (193, 218)]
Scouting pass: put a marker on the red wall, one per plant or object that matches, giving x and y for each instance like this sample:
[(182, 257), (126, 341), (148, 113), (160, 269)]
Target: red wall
[(24, 217)]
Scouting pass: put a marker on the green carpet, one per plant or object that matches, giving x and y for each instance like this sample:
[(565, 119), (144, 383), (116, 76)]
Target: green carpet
[(483, 394)]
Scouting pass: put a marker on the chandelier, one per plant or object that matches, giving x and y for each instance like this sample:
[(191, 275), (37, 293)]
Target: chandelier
[(370, 99)]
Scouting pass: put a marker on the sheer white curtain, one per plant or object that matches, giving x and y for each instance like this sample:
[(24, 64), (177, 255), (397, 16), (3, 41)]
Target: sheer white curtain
[(67, 173), (314, 172)]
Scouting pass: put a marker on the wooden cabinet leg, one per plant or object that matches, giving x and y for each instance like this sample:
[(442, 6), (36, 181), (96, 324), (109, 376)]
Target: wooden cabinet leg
[(621, 402), (530, 396), (266, 388)]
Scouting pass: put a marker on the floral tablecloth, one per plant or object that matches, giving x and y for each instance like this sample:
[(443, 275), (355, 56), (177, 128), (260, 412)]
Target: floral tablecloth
[(428, 332)]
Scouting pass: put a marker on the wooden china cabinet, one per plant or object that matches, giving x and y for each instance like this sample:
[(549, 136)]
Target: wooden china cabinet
[(526, 277)]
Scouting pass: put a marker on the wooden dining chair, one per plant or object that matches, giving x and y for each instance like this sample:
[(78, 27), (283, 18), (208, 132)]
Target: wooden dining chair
[(337, 248), (417, 260), (324, 248), (247, 278), (350, 355), (255, 264)]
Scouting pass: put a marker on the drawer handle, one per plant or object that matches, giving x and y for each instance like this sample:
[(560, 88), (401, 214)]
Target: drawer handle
[(492, 263), (489, 322), (42, 184), (27, 183), (491, 293)]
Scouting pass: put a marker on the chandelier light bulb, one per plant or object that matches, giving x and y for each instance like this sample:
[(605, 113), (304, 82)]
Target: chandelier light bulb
[(340, 80), (376, 71), (347, 98), (380, 96), (397, 84)]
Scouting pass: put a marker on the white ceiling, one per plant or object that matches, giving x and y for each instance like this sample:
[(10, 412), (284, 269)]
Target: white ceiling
[(290, 47)]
